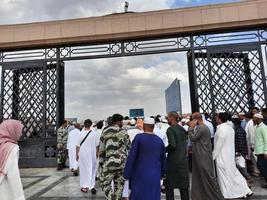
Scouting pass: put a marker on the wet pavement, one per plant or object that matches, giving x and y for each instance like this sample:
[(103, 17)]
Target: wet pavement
[(49, 184)]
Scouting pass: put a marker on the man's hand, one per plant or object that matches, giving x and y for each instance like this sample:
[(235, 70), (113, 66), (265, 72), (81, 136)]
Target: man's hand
[(59, 146), (265, 156), (77, 158), (193, 123)]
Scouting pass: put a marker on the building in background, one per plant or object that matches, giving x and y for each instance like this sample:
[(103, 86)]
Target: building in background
[(173, 97)]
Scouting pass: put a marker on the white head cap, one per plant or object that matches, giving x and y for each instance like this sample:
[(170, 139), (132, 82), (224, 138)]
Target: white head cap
[(132, 122), (163, 119), (235, 117), (149, 120), (187, 120), (220, 111), (258, 115), (241, 114)]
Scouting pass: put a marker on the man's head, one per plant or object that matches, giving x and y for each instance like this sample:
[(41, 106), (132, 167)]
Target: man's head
[(99, 125), (149, 125), (222, 117), (64, 124), (257, 118), (249, 115), (117, 120), (77, 125), (109, 121), (254, 110), (236, 120), (140, 123), (198, 117), (242, 115), (264, 113), (87, 124), (172, 117)]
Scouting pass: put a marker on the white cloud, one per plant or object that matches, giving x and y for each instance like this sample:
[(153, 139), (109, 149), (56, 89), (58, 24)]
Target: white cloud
[(117, 84), (22, 11)]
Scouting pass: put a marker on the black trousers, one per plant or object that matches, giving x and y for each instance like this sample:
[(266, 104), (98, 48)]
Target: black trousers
[(183, 192), (262, 166)]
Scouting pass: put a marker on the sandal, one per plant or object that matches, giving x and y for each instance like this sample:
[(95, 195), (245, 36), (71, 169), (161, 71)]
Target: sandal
[(84, 190)]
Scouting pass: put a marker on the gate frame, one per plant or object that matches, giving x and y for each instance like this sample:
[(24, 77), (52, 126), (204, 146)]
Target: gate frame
[(189, 43)]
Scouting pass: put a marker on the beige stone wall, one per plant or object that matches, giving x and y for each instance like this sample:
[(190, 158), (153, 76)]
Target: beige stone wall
[(135, 25)]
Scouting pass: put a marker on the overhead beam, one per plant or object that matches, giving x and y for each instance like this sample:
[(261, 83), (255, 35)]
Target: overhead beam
[(221, 17)]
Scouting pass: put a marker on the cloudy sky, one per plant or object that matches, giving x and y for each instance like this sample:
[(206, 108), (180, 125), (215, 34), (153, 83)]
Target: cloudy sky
[(99, 88)]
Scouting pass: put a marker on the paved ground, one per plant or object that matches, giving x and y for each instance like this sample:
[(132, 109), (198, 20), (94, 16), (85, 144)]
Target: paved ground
[(48, 184)]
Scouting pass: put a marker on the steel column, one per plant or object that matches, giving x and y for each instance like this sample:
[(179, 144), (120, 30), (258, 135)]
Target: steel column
[(192, 81)]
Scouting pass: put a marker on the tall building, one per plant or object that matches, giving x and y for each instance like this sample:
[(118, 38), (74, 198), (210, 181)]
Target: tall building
[(173, 97)]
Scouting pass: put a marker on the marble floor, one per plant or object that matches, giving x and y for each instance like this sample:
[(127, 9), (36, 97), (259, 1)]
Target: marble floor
[(49, 184)]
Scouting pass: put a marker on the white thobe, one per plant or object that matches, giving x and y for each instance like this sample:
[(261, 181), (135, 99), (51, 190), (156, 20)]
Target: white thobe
[(99, 133), (87, 158), (73, 139), (210, 126), (164, 127), (250, 130), (160, 132), (10, 185), (232, 183), (132, 132)]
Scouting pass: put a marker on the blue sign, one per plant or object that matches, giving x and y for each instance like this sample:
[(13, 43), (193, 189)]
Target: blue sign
[(139, 112)]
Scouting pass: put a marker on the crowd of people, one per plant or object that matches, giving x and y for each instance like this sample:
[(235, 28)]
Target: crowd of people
[(141, 158)]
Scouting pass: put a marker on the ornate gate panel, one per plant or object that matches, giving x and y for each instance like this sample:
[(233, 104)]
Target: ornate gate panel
[(29, 94), (228, 78)]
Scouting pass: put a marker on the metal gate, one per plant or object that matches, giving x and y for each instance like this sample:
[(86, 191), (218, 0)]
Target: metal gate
[(229, 78), (226, 72), (29, 94)]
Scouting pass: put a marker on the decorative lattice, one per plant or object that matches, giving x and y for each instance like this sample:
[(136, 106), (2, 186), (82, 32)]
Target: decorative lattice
[(29, 95), (51, 100), (230, 80), (202, 82)]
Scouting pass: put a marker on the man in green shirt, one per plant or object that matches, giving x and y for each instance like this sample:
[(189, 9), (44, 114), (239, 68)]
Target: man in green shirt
[(261, 145)]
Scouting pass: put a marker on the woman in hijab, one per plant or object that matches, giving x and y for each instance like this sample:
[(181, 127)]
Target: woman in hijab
[(10, 182)]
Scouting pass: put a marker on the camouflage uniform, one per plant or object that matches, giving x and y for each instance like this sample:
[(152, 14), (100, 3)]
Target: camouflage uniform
[(62, 137), (113, 150)]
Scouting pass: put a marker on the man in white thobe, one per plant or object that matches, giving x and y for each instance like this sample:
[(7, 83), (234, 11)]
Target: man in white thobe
[(251, 133), (87, 157), (73, 138), (160, 131), (232, 183), (99, 129), (132, 131), (211, 128)]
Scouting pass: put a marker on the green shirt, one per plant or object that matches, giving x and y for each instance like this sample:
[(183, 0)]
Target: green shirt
[(261, 139)]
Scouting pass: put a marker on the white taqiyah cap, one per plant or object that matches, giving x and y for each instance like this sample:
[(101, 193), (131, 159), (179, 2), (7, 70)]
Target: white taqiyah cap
[(258, 115), (132, 122), (187, 120), (220, 111), (235, 117), (149, 120), (183, 120), (163, 119), (241, 113)]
